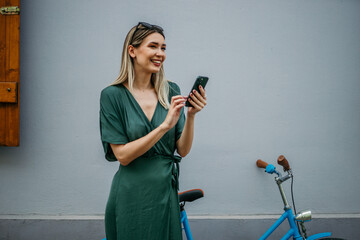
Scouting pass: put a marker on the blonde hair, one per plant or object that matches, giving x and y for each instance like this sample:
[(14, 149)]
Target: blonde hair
[(127, 74)]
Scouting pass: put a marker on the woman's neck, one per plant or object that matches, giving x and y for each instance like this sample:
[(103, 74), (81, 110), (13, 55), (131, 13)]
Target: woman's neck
[(142, 81)]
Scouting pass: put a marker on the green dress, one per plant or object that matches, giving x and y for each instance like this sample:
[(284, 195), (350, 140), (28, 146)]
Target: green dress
[(143, 201)]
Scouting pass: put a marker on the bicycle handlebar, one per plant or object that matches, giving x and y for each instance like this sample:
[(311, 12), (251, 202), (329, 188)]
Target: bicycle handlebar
[(269, 168), (261, 164), (283, 162)]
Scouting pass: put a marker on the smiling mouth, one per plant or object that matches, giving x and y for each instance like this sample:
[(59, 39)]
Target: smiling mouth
[(156, 62)]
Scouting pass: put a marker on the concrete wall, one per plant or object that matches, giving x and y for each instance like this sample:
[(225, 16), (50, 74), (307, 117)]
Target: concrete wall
[(284, 79)]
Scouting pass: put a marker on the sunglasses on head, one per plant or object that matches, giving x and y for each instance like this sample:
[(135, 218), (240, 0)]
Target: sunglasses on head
[(148, 26)]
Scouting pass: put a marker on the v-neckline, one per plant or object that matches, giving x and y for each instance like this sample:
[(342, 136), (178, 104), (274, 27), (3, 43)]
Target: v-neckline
[(140, 108)]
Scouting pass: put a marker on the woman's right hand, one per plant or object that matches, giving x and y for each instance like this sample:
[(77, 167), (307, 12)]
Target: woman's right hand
[(177, 103)]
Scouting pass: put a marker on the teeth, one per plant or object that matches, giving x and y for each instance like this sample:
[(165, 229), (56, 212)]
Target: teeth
[(156, 61)]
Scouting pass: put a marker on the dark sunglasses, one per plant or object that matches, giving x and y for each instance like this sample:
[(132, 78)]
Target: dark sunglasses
[(148, 26)]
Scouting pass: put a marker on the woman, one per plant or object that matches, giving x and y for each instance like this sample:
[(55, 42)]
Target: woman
[(142, 123)]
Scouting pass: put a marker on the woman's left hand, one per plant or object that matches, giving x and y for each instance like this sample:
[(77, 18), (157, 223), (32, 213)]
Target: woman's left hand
[(197, 100)]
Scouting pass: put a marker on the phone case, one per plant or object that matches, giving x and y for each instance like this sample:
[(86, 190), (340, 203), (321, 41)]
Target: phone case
[(200, 81)]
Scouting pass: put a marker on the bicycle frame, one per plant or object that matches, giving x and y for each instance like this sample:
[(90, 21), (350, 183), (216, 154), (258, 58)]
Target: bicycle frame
[(185, 223), (293, 232)]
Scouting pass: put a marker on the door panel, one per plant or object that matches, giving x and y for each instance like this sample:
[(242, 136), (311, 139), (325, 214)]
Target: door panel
[(9, 76)]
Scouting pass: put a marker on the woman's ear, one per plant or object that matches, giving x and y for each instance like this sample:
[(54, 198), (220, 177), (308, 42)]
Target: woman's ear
[(131, 51)]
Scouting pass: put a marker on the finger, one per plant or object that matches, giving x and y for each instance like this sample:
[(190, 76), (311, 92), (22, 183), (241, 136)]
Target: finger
[(195, 104), (200, 97), (179, 101), (196, 100), (203, 92), (173, 98), (177, 109), (179, 106), (176, 101)]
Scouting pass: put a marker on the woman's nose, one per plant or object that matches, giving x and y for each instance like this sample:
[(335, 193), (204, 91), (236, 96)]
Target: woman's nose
[(160, 52)]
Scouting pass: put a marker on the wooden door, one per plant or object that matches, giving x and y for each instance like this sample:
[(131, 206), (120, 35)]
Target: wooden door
[(9, 74)]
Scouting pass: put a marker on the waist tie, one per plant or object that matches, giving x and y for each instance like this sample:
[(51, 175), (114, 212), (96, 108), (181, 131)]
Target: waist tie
[(175, 171)]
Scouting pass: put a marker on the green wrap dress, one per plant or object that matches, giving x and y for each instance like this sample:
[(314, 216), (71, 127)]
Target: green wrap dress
[(143, 201)]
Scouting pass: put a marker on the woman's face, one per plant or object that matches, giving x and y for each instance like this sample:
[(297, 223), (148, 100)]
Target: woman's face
[(150, 55)]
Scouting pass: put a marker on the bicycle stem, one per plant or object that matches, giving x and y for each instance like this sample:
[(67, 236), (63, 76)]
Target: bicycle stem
[(279, 180)]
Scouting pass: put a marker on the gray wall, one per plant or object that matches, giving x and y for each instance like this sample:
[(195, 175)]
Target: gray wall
[(284, 79)]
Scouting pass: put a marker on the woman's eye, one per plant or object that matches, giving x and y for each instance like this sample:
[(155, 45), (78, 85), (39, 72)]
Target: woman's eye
[(163, 49)]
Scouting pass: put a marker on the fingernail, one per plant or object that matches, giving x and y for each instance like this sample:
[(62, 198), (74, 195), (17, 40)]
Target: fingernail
[(191, 94), (194, 91)]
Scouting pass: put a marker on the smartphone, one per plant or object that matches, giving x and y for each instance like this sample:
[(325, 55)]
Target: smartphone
[(200, 81)]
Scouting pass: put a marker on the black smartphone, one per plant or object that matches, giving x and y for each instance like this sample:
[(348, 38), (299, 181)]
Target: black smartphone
[(200, 81)]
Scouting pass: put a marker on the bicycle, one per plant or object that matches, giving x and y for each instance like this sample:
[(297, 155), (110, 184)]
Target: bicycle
[(184, 197), (293, 219)]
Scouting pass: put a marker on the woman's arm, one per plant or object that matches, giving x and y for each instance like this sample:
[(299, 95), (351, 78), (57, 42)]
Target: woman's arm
[(126, 153), (198, 101), (183, 145)]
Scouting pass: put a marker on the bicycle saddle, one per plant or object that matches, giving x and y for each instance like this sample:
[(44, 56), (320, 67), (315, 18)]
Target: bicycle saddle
[(190, 195)]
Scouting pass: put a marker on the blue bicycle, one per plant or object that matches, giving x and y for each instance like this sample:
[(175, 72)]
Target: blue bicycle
[(184, 197), (294, 220)]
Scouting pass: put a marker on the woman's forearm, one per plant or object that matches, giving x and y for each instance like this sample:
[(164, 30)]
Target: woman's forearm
[(126, 153), (184, 143), (198, 102)]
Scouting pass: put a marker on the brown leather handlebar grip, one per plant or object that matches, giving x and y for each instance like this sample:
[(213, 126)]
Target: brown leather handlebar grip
[(261, 164), (283, 162)]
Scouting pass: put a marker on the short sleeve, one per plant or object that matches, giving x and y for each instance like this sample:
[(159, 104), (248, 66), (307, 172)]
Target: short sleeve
[(112, 128), (173, 91)]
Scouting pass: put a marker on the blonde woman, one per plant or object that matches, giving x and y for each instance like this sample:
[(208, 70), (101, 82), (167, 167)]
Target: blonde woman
[(142, 123)]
